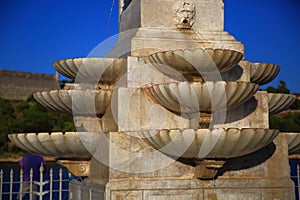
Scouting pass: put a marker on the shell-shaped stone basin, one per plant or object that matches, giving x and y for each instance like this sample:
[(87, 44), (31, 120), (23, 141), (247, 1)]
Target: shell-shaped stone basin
[(69, 145), (92, 70), (78, 102), (261, 73), (209, 144), (194, 62), (279, 102), (184, 97), (293, 142)]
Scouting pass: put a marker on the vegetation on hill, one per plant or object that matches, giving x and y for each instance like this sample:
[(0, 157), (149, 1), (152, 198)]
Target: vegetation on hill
[(18, 116), (289, 122)]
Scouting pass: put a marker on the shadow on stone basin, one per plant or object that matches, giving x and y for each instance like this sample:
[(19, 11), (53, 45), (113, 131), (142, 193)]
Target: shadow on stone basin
[(248, 161)]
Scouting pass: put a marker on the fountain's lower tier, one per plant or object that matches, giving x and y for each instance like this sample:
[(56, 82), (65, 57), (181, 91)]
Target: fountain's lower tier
[(69, 145), (209, 144), (196, 144)]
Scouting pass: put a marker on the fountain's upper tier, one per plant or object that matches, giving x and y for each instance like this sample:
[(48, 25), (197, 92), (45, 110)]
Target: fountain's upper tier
[(260, 73), (279, 102), (179, 65), (194, 62), (293, 142), (104, 71), (183, 63)]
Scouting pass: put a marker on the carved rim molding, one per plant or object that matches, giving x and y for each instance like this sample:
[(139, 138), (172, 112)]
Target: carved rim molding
[(209, 144), (261, 73), (75, 101), (193, 62), (105, 71), (196, 97), (69, 145), (293, 142), (280, 102)]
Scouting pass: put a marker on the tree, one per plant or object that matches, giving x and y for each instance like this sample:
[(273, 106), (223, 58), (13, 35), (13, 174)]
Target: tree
[(281, 88)]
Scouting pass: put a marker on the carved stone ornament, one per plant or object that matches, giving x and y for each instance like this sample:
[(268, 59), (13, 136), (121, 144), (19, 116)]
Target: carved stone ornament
[(78, 168), (184, 14)]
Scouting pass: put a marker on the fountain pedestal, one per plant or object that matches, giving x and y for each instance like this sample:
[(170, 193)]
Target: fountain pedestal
[(260, 175), (179, 117)]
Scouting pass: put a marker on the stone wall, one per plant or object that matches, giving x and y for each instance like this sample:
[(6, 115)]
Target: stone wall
[(21, 85)]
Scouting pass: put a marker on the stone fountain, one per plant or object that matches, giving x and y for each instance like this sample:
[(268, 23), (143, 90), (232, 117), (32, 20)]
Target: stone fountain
[(173, 112)]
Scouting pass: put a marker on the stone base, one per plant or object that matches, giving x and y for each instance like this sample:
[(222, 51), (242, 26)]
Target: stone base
[(222, 189), (262, 175), (192, 189), (86, 190)]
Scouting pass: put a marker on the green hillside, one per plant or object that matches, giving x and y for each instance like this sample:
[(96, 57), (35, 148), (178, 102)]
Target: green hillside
[(18, 116)]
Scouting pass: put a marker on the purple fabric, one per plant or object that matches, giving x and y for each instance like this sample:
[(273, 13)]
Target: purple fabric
[(33, 162)]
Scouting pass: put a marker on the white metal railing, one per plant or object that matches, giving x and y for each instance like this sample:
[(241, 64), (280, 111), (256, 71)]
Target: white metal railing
[(55, 185), (296, 179), (42, 188)]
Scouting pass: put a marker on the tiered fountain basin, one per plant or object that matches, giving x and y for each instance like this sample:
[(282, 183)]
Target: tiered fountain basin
[(69, 145), (209, 144), (184, 97), (261, 73), (75, 101), (194, 62), (293, 142), (280, 102), (92, 70)]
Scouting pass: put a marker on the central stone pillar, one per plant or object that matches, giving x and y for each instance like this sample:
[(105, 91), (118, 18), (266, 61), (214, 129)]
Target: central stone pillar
[(138, 171), (160, 25)]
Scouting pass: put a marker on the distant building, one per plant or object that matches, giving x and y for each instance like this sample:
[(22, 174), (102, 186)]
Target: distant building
[(21, 85)]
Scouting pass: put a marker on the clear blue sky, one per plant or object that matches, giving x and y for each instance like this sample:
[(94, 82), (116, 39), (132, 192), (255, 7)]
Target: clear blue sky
[(34, 33)]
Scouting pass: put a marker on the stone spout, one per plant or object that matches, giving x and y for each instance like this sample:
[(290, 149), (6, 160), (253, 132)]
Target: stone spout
[(207, 169)]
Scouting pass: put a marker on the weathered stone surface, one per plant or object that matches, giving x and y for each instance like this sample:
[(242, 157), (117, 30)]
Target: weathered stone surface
[(209, 144), (252, 114), (279, 102), (156, 32), (146, 13), (149, 115), (105, 71), (74, 101), (257, 189), (249, 177), (261, 73), (69, 145), (244, 163), (198, 97), (261, 164), (21, 85), (86, 190), (139, 74), (132, 158), (204, 63), (77, 168), (293, 142), (151, 40)]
